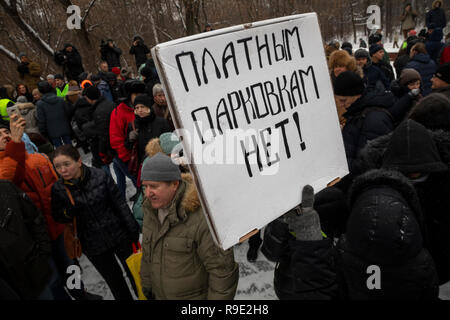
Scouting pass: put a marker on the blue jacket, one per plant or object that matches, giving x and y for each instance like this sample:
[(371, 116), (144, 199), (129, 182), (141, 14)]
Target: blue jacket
[(52, 119), (426, 67)]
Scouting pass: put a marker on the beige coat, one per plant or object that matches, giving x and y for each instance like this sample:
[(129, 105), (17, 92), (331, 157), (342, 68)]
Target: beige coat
[(180, 259)]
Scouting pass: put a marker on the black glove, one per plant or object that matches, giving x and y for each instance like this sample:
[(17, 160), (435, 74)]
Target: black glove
[(148, 293), (22, 68), (305, 221)]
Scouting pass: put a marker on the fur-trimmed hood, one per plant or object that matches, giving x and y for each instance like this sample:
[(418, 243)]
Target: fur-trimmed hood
[(386, 223), (190, 201), (153, 147), (435, 3)]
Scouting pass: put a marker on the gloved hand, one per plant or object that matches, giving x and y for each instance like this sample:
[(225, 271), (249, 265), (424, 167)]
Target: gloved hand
[(148, 293), (305, 221), (133, 135), (414, 92), (22, 68)]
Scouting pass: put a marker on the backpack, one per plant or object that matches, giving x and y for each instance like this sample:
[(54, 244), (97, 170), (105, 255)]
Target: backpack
[(25, 247)]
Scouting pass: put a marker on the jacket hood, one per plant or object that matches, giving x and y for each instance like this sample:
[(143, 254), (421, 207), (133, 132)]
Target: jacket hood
[(153, 147), (371, 156), (386, 222), (51, 98), (422, 58), (25, 108), (372, 98), (433, 111), (435, 3), (412, 150)]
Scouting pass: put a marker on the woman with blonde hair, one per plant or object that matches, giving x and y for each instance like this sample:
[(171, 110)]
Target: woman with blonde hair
[(341, 61)]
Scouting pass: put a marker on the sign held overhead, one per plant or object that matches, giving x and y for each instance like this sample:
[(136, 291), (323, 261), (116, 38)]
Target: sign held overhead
[(255, 110)]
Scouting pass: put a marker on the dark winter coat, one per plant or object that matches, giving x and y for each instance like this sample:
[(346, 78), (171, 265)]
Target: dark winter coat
[(111, 56), (140, 52), (386, 68), (436, 16), (423, 64), (366, 119), (374, 77), (104, 219), (400, 64), (98, 128), (404, 103), (148, 128), (445, 91), (25, 248), (83, 112), (74, 64), (305, 269), (434, 44), (385, 230), (52, 117)]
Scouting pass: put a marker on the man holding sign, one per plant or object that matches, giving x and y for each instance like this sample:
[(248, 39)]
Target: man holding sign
[(179, 257)]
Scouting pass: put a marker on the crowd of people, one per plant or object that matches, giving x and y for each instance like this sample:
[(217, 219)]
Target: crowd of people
[(391, 211)]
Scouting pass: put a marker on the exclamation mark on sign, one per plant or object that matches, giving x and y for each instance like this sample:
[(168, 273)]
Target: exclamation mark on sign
[(297, 122)]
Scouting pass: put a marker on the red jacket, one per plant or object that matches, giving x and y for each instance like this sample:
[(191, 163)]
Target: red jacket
[(33, 174), (120, 118)]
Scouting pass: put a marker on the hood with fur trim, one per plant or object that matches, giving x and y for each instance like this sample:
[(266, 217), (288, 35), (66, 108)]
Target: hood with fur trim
[(386, 222), (435, 4)]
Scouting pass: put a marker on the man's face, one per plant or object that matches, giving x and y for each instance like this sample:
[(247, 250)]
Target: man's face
[(59, 82), (378, 56), (90, 101), (5, 137), (160, 194), (343, 102), (142, 110), (51, 81), (104, 67), (21, 90), (24, 59), (361, 62), (438, 83), (69, 49), (160, 99)]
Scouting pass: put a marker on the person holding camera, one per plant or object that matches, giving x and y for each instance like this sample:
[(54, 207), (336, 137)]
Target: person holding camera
[(139, 50), (110, 53)]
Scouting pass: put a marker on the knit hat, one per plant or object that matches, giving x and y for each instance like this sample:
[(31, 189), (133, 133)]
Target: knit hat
[(374, 49), (86, 83), (143, 99), (92, 93), (73, 90), (361, 53), (59, 76), (160, 168), (412, 150), (22, 99), (348, 84), (408, 76), (169, 142), (412, 33), (375, 38), (146, 72), (44, 87), (116, 71), (443, 72), (22, 54), (433, 112)]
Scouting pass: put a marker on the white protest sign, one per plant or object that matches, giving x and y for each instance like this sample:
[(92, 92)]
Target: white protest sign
[(259, 119)]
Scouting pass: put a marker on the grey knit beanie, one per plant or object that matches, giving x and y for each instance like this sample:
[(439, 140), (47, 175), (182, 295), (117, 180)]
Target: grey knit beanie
[(160, 168)]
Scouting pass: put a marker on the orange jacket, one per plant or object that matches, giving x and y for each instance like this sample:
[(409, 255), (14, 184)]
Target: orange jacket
[(34, 174)]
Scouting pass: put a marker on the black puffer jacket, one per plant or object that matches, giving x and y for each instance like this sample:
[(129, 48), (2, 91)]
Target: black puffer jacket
[(140, 51), (103, 217), (111, 56), (74, 63), (148, 128), (385, 230), (25, 248), (53, 120), (367, 119), (83, 112)]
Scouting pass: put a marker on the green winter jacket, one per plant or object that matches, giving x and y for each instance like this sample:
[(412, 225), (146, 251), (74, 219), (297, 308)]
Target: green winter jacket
[(180, 260)]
